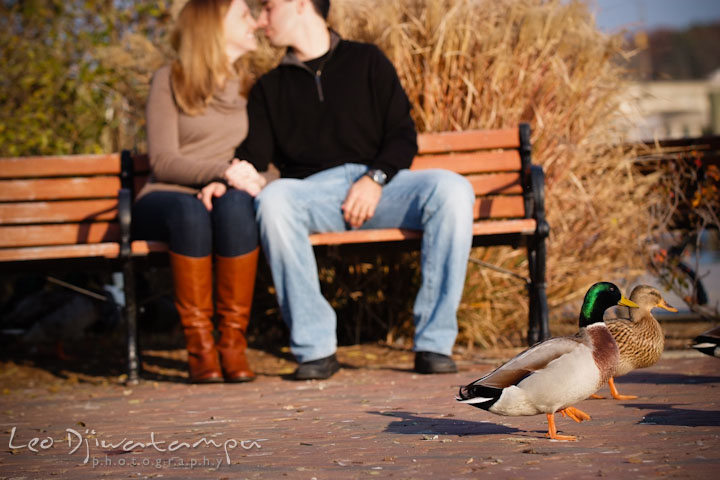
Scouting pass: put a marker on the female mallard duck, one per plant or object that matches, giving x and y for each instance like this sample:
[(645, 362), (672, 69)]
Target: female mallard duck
[(708, 342), (640, 338), (552, 375)]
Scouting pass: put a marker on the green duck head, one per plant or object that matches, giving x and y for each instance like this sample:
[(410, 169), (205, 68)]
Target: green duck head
[(599, 298)]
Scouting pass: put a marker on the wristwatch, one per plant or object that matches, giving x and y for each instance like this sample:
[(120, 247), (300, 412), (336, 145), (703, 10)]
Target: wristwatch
[(377, 175)]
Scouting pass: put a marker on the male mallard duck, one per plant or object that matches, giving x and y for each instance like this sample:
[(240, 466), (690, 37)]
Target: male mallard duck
[(552, 375), (708, 342), (639, 338)]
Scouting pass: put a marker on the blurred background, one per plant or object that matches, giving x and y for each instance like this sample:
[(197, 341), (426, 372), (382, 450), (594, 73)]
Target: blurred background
[(676, 70), (675, 88)]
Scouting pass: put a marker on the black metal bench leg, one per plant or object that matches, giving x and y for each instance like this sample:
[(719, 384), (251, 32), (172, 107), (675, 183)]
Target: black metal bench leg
[(540, 291), (537, 253), (539, 329), (533, 319), (133, 360), (124, 219)]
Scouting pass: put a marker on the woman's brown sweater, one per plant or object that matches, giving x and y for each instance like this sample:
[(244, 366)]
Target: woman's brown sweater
[(188, 152)]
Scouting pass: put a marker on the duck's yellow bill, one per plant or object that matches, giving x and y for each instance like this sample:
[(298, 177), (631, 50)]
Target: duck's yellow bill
[(666, 306), (627, 303)]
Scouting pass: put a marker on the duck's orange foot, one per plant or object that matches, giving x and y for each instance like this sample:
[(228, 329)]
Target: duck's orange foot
[(624, 397), (615, 394), (566, 438), (552, 431), (595, 396), (574, 413)]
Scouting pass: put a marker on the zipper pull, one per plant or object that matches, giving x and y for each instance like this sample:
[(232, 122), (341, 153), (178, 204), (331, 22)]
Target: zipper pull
[(318, 74)]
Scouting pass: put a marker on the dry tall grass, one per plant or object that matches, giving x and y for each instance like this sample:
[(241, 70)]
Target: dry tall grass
[(494, 63)]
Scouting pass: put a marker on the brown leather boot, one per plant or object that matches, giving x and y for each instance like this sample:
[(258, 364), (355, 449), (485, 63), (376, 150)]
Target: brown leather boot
[(192, 281), (235, 286)]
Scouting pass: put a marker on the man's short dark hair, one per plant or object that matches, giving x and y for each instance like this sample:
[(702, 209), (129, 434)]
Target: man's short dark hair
[(322, 7)]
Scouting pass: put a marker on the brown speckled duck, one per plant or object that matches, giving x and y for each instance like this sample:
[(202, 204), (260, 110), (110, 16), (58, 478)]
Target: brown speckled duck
[(640, 338), (553, 375)]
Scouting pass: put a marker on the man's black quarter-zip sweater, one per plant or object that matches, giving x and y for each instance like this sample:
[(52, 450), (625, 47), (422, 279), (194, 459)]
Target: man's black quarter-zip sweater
[(352, 109)]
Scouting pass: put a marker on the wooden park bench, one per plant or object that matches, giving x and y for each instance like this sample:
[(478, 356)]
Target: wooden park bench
[(64, 211)]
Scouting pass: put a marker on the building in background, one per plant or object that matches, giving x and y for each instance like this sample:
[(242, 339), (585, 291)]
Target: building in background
[(668, 109), (676, 65)]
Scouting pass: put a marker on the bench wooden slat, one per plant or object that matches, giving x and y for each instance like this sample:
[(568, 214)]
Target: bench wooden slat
[(107, 250), (476, 162), (364, 236), (493, 227), (468, 140), (58, 212), (60, 165), (525, 226), (65, 234), (496, 183), (59, 188), (143, 247), (498, 207), (482, 184), (102, 250)]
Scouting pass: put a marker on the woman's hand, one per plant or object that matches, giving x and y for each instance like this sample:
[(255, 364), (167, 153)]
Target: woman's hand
[(209, 191), (242, 175)]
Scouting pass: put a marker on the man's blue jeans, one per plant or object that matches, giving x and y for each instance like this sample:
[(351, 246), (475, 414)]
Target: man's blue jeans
[(439, 202)]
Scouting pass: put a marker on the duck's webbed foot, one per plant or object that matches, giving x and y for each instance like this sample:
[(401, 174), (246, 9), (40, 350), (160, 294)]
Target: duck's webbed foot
[(574, 413), (552, 431)]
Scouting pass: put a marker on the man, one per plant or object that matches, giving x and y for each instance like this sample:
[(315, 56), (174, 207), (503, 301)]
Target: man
[(334, 119)]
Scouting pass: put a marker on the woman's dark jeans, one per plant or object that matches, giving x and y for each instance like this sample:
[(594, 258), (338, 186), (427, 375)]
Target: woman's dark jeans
[(181, 220)]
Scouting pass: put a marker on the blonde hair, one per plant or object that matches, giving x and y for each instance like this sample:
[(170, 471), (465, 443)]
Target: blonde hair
[(201, 64)]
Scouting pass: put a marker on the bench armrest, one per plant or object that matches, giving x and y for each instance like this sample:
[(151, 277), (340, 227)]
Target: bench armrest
[(124, 219), (537, 182)]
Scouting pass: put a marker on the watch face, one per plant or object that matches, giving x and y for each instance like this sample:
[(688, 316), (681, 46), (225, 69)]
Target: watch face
[(378, 176)]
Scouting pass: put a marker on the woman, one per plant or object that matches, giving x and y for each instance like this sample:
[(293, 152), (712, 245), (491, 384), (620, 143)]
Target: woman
[(196, 116)]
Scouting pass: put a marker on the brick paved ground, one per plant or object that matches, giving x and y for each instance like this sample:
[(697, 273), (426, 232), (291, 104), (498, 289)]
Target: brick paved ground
[(381, 421)]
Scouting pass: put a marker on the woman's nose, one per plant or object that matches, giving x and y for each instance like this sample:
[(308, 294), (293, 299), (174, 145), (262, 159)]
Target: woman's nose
[(261, 21)]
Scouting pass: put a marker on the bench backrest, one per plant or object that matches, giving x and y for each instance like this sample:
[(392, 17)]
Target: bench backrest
[(67, 206), (496, 162), (67, 202)]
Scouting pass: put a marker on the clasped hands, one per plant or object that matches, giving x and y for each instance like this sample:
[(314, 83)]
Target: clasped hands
[(359, 205), (240, 175)]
